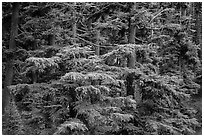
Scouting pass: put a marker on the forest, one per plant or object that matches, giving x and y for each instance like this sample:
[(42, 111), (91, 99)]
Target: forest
[(101, 68)]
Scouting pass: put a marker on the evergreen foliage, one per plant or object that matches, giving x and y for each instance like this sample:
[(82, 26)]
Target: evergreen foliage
[(129, 89)]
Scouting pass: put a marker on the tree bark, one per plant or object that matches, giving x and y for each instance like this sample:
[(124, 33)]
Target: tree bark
[(131, 60), (97, 48), (198, 26), (9, 65), (132, 26), (198, 17), (89, 24), (35, 77), (51, 39), (132, 31), (74, 25), (129, 84), (14, 26), (180, 60), (183, 9)]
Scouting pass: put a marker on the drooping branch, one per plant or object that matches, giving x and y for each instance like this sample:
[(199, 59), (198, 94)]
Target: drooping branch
[(160, 11), (106, 10), (87, 41), (91, 43)]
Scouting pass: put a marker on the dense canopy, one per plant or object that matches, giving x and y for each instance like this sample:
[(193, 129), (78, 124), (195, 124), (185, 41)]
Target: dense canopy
[(102, 68)]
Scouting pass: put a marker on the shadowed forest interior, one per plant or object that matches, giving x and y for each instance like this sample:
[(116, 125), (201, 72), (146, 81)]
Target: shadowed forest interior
[(101, 68)]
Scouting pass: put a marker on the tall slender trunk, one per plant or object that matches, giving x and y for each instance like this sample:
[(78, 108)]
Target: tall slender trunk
[(34, 77), (180, 59), (14, 26), (51, 39), (183, 11), (198, 17), (131, 60), (97, 48), (74, 25), (9, 65), (132, 31), (89, 24), (198, 25), (129, 84), (190, 13), (132, 24)]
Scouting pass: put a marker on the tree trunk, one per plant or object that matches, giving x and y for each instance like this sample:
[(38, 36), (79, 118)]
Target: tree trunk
[(180, 60), (97, 48), (131, 60), (183, 11), (74, 25), (14, 26), (89, 24), (189, 12), (51, 39), (198, 17), (132, 26), (198, 25), (132, 32), (35, 77), (129, 84), (12, 46)]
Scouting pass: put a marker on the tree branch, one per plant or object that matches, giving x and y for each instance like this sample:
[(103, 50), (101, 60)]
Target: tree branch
[(159, 14), (91, 43)]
